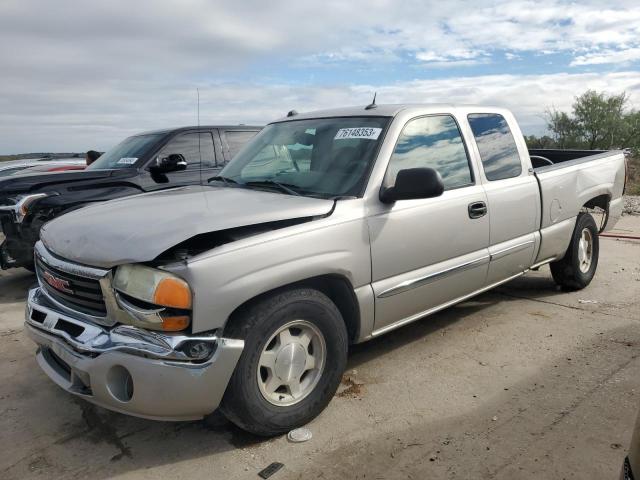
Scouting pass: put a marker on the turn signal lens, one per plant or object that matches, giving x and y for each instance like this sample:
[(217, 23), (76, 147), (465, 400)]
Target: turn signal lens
[(175, 324), (173, 292)]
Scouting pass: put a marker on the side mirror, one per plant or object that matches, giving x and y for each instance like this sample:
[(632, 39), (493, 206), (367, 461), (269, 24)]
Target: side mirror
[(413, 183), (173, 163)]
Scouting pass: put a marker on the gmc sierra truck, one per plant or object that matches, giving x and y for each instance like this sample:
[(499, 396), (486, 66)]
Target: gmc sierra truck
[(141, 163), (327, 229)]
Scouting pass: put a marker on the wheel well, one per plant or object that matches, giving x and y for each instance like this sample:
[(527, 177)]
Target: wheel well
[(336, 287), (602, 202)]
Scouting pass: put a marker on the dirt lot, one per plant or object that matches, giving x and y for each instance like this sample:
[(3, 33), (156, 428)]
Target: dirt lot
[(522, 382)]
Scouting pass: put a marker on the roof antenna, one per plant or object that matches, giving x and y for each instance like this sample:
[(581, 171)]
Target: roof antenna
[(199, 134), (292, 113), (372, 105)]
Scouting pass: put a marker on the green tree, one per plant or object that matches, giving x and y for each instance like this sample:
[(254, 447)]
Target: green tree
[(599, 118), (563, 128), (597, 121)]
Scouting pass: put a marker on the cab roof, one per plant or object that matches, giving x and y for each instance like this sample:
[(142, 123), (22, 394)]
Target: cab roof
[(387, 110), (201, 127)]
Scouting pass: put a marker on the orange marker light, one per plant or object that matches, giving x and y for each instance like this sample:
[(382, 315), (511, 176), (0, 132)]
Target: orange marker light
[(172, 292), (175, 324)]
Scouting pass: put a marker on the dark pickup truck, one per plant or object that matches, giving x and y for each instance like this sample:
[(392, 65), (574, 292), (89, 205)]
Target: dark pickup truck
[(142, 163)]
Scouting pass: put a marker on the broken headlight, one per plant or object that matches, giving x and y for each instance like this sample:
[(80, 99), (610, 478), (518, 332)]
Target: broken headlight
[(155, 299), (20, 207)]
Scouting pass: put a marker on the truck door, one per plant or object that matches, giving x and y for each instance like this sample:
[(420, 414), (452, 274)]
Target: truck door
[(513, 196), (428, 252)]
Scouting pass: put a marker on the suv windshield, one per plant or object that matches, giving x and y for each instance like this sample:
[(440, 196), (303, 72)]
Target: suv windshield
[(327, 157), (126, 153)]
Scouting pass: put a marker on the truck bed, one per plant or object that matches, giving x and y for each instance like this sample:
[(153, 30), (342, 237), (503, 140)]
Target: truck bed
[(571, 180), (557, 158)]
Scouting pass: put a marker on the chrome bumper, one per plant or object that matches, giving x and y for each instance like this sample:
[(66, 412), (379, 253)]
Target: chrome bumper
[(128, 369)]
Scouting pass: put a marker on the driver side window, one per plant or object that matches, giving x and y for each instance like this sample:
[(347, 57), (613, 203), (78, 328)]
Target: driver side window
[(192, 146), (432, 142)]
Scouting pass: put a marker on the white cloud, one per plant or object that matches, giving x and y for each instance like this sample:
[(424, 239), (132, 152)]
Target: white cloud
[(59, 122), (85, 74), (608, 56), (454, 58)]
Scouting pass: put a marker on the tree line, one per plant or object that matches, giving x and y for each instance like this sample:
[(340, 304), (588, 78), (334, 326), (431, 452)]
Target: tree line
[(597, 121)]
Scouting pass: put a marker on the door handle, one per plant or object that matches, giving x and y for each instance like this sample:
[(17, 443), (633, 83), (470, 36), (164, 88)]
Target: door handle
[(477, 209)]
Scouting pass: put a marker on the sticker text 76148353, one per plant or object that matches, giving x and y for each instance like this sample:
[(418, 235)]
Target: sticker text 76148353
[(366, 133)]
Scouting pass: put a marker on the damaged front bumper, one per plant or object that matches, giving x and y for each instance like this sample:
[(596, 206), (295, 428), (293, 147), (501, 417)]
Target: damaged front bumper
[(127, 369)]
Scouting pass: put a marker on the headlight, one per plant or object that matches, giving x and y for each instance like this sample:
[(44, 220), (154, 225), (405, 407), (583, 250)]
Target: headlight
[(162, 298), (22, 203)]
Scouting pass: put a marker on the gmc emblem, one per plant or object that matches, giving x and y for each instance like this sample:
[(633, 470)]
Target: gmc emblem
[(57, 283)]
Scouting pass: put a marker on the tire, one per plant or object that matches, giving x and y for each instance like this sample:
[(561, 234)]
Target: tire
[(571, 272), (250, 401)]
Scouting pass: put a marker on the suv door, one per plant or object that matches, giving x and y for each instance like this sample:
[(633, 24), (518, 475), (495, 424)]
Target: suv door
[(428, 252), (198, 149), (513, 195)]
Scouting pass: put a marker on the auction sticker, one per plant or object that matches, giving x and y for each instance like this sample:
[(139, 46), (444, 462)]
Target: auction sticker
[(128, 160), (358, 132)]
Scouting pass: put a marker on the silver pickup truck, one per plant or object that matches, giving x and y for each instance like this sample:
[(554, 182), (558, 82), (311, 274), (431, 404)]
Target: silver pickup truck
[(327, 229)]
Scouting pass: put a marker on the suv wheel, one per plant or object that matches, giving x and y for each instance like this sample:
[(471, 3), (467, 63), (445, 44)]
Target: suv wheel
[(294, 355)]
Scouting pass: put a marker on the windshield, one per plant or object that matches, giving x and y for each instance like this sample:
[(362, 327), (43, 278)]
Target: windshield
[(327, 157), (126, 153)]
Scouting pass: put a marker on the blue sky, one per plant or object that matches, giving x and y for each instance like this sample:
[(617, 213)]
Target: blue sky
[(81, 75)]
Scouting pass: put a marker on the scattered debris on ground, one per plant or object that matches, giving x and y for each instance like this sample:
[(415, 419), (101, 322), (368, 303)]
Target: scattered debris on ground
[(631, 204), (270, 470), (354, 387), (299, 435)]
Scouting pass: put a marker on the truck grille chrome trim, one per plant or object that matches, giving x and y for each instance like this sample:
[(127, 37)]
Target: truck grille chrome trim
[(74, 288), (432, 277)]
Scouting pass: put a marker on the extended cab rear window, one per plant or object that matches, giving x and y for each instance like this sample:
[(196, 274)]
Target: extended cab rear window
[(497, 147), (236, 139)]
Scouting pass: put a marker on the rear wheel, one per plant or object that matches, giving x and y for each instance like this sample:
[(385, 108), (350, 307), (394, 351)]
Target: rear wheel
[(578, 267), (294, 355)]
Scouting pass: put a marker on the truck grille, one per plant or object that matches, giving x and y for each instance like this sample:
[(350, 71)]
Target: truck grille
[(74, 291)]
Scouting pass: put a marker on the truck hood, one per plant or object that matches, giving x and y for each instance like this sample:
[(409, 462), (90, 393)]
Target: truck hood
[(140, 228), (32, 182)]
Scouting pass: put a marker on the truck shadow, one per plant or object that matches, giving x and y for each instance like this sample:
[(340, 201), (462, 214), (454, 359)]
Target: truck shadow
[(14, 285)]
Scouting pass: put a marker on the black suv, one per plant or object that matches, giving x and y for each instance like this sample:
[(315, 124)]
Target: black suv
[(142, 163)]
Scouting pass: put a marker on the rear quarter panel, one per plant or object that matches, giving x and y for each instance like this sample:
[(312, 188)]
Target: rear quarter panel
[(566, 189)]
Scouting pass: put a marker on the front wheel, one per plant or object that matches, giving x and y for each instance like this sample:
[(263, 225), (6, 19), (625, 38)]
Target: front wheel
[(294, 355), (578, 267)]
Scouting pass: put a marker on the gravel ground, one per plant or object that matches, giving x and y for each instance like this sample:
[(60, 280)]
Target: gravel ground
[(632, 204)]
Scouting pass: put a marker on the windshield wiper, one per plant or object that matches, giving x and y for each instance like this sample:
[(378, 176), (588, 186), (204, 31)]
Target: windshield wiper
[(272, 183), (226, 180)]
